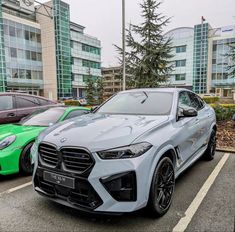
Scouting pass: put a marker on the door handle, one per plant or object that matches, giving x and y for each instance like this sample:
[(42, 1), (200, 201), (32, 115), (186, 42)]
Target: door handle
[(10, 115)]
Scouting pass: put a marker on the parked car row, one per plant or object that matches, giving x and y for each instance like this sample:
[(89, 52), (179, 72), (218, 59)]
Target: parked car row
[(123, 156), (15, 106), (17, 139)]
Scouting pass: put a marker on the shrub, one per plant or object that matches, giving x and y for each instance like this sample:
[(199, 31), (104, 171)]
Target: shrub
[(224, 111), (72, 103), (211, 100)]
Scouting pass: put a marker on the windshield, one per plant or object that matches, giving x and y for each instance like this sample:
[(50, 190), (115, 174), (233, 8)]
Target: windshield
[(139, 103), (46, 118)]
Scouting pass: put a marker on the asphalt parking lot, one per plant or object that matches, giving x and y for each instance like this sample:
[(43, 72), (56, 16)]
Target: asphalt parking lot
[(22, 209)]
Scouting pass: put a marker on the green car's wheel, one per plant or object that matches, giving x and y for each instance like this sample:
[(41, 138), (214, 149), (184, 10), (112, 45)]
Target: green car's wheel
[(25, 160)]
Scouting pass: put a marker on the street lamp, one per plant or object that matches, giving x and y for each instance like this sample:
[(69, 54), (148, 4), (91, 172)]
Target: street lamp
[(123, 47)]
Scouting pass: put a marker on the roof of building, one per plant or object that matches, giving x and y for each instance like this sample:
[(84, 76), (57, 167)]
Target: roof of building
[(156, 90)]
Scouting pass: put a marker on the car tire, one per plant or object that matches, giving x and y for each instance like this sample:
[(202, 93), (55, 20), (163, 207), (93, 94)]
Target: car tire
[(162, 188), (25, 165), (210, 151)]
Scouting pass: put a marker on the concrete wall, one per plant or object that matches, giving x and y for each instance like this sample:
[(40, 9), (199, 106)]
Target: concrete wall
[(48, 52)]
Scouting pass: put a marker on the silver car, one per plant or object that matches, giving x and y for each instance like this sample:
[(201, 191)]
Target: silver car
[(127, 154)]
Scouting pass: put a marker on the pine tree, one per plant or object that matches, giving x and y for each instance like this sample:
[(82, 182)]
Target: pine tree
[(148, 51), (100, 90), (90, 91)]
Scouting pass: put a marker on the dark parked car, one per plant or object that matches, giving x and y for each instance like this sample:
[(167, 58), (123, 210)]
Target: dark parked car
[(15, 106)]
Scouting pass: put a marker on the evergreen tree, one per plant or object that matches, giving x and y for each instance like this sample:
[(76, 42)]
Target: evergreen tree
[(148, 51), (90, 91), (100, 90)]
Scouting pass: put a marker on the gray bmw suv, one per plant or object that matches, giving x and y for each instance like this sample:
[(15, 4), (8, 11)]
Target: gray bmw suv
[(127, 154)]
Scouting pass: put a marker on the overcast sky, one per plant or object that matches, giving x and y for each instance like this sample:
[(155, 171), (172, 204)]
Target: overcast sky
[(102, 18)]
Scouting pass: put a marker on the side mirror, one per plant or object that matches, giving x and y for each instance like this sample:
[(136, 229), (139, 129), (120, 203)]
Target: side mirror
[(189, 113)]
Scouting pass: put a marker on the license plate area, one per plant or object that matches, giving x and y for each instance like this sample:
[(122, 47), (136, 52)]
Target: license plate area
[(58, 179)]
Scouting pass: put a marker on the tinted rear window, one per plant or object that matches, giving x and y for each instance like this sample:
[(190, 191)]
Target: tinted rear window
[(44, 102), (26, 101), (6, 102)]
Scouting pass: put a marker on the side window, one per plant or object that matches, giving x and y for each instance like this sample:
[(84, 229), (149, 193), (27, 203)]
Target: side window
[(195, 103), (25, 101), (6, 102), (202, 103), (184, 101), (75, 113), (43, 102)]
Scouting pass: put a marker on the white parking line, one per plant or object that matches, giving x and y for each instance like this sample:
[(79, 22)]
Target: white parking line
[(15, 188), (184, 221)]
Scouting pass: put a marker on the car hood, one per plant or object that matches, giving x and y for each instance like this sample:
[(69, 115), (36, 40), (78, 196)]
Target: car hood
[(99, 131), (14, 129)]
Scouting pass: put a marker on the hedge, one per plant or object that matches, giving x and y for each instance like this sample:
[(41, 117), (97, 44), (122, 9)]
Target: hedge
[(224, 111), (72, 103), (211, 100)]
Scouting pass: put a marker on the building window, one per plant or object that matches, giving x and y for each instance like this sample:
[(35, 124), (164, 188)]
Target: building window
[(90, 64), (27, 55), (26, 35), (38, 36), (180, 77), (213, 61), (34, 56), (5, 28), (28, 74), (90, 49), (14, 73), (214, 47), (180, 49), (13, 52), (180, 63), (12, 31), (22, 73)]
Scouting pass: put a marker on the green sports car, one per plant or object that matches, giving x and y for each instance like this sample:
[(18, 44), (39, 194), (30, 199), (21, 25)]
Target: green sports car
[(16, 140)]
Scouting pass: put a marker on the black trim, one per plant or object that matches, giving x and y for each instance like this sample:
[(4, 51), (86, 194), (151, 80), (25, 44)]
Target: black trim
[(83, 196), (118, 191), (60, 166)]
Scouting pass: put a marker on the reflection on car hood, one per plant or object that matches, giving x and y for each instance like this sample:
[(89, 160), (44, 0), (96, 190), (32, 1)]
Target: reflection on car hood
[(99, 131), (14, 129)]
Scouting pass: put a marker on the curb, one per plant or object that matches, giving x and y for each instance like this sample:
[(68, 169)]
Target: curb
[(226, 149)]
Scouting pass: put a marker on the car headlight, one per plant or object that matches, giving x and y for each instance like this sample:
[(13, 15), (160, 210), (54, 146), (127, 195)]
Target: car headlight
[(7, 141), (126, 152)]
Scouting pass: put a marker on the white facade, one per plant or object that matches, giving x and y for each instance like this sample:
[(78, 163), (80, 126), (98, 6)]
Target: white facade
[(221, 40), (182, 41), (86, 58)]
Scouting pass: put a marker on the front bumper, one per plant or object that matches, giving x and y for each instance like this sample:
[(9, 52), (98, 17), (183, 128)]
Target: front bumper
[(91, 194), (9, 161)]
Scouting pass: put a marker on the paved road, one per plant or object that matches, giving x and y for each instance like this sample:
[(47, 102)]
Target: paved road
[(24, 210)]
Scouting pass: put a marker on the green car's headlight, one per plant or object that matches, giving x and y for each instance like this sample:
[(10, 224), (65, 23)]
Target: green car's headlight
[(126, 152), (7, 141)]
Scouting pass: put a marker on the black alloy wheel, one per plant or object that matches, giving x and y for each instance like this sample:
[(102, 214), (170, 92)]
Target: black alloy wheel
[(210, 151), (162, 187), (25, 165)]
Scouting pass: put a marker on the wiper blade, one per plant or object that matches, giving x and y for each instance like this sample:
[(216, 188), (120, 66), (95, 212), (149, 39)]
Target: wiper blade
[(145, 98)]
